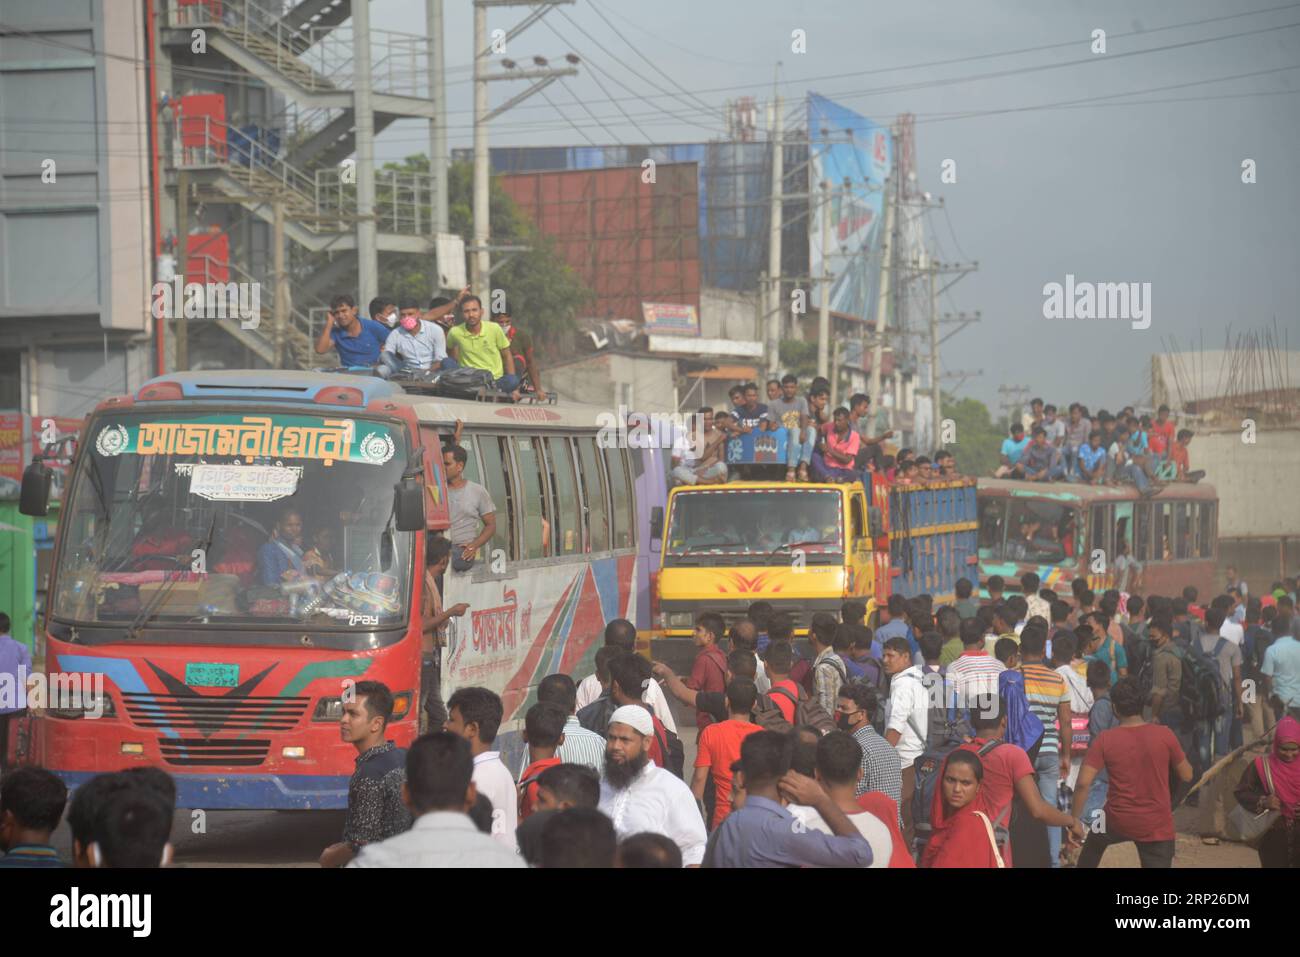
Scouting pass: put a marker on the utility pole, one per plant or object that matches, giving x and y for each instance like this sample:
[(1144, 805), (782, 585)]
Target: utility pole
[(481, 258), (773, 284), (1013, 401), (936, 393), (364, 119), (824, 312), (280, 280), (882, 303), (438, 125), (182, 263)]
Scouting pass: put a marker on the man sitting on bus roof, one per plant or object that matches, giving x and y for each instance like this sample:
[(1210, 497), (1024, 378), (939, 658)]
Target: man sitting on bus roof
[(480, 345), (1012, 450), (698, 452), (357, 340), (1041, 460), (414, 346), (842, 445), (521, 344)]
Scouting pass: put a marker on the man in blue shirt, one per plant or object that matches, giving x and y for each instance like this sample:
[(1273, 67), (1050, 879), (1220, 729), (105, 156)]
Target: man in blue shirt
[(893, 623), (31, 805), (763, 833), (1281, 666), (15, 668), (1012, 449), (280, 559), (357, 340), (1092, 460)]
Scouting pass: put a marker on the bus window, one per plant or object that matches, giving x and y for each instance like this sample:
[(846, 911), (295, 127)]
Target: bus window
[(1206, 538), (535, 516), (566, 527), (1184, 527), (624, 521), (495, 470), (1124, 526), (857, 518), (993, 526), (593, 495), (1037, 531), (1165, 532), (1099, 532), (1142, 532)]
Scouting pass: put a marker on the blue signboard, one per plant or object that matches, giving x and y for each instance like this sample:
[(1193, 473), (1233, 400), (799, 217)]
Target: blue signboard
[(757, 448)]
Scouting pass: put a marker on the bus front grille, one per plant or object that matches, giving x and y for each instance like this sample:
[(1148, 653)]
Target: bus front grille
[(229, 752), (209, 715)]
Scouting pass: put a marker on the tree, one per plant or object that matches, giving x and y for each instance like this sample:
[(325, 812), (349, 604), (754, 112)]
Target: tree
[(978, 438), (542, 292)]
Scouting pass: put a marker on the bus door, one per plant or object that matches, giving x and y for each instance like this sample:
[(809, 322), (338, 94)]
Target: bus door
[(1101, 547), (860, 557), (437, 514)]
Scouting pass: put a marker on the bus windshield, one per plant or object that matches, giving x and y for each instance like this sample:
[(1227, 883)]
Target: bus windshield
[(748, 526), (1029, 530), (235, 518)]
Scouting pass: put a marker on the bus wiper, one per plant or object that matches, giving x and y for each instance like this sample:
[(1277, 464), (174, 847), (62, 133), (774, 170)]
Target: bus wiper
[(783, 546), (148, 612), (691, 548)]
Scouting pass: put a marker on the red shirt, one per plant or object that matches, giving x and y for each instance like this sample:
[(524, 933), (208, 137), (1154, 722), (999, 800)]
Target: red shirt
[(1160, 436), (719, 749), (708, 674), (1138, 759), (1003, 767), (885, 808), (784, 704), (528, 790), (1178, 455)]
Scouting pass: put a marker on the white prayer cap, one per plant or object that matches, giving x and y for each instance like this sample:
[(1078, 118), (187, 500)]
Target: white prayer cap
[(634, 716)]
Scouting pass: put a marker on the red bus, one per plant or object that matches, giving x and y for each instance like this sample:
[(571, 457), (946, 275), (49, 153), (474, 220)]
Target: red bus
[(1062, 531), (231, 679)]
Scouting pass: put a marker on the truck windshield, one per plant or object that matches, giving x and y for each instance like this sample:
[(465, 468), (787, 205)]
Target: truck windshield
[(235, 517), (1027, 530), (748, 526)]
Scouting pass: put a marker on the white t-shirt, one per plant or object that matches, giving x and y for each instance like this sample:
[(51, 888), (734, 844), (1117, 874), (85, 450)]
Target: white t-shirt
[(869, 826), (659, 802), (1233, 632), (1055, 430), (493, 779), (909, 713), (589, 690)]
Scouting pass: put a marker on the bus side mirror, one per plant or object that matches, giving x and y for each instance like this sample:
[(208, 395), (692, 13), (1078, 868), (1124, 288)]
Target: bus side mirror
[(408, 505), (875, 522), (657, 522), (34, 499)]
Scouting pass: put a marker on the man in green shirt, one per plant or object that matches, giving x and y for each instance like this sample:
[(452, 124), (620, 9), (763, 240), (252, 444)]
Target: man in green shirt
[(481, 345)]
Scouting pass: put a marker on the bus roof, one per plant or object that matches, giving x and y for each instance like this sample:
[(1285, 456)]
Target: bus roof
[(289, 386), (1080, 493), (771, 487)]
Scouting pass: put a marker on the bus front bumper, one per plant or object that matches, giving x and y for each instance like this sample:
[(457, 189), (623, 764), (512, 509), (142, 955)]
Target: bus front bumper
[(247, 792)]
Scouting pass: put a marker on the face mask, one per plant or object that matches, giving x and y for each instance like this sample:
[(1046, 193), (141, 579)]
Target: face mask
[(410, 322), (843, 722)]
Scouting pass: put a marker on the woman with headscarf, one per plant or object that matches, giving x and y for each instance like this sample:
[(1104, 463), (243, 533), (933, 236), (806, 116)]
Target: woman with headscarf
[(962, 834), (1280, 846)]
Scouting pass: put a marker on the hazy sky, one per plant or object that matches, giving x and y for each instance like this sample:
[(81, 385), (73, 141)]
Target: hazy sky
[(1109, 193)]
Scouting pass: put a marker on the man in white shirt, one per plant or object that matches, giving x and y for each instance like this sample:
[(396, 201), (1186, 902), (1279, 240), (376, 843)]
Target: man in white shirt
[(906, 726), (1230, 629), (475, 714), (622, 634), (839, 764), (439, 790), (639, 796), (414, 345)]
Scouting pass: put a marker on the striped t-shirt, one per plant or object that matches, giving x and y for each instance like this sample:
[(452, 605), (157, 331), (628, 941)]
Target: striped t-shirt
[(973, 678), (1045, 690)]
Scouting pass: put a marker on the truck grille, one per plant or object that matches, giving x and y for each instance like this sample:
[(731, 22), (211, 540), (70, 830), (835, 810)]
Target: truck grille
[(208, 715), (192, 751)]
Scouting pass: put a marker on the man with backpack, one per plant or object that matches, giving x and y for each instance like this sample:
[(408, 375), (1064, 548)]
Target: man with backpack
[(709, 673), (881, 768), (1220, 660), (828, 671)]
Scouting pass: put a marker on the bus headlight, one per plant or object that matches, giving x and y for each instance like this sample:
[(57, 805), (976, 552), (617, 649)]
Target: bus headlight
[(87, 704), (680, 619), (401, 704), (328, 709)]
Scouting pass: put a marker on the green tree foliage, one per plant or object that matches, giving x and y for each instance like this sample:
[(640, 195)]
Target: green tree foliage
[(978, 437), (542, 292), (799, 358)]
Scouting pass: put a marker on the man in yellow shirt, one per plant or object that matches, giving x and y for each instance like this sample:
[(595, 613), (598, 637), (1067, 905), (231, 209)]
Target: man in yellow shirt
[(481, 345)]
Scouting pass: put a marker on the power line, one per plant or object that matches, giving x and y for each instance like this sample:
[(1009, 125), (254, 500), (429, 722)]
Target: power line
[(580, 130)]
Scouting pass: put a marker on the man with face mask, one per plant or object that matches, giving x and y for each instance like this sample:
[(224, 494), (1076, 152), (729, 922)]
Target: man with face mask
[(414, 346), (881, 768), (639, 796), (383, 311)]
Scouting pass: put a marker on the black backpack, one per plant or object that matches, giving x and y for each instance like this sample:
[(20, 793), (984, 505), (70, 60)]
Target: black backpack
[(1203, 693), (928, 767), (807, 711), (595, 716), (671, 747), (462, 383)]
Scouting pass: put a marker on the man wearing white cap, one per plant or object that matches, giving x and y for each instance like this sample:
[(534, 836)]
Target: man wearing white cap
[(639, 796)]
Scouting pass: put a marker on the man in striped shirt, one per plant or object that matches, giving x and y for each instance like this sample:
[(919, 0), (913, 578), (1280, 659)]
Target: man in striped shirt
[(1049, 700), (973, 676), (580, 745)]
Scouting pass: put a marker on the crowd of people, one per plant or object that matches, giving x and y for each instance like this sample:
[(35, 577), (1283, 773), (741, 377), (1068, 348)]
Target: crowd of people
[(1016, 730), (825, 445), (1097, 449), (401, 339)]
